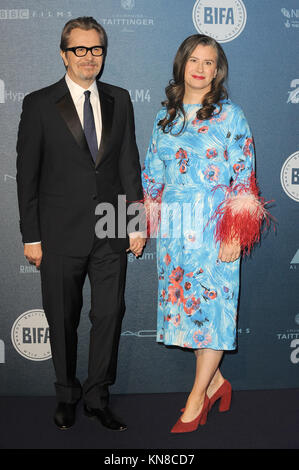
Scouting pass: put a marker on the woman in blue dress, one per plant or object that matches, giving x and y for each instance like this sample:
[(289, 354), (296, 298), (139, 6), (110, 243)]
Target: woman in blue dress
[(201, 161)]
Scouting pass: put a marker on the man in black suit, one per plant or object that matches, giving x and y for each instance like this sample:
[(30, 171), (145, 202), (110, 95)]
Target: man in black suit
[(76, 149)]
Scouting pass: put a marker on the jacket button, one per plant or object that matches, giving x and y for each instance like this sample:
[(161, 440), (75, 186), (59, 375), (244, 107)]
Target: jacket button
[(94, 197), (97, 172)]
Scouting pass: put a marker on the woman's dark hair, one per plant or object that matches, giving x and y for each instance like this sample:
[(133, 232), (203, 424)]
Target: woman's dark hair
[(176, 89), (86, 23)]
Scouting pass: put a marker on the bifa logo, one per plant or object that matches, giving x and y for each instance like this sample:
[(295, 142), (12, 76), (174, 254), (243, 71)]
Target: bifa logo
[(223, 21), (289, 176), (294, 93), (30, 335), (20, 14), (2, 352), (295, 261), (2, 91)]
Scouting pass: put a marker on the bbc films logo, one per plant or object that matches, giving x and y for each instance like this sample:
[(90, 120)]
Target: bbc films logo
[(294, 92), (291, 17), (289, 176), (223, 23), (26, 14), (16, 14), (30, 336)]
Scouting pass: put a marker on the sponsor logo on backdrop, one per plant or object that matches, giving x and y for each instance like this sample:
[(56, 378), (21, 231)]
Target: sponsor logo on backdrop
[(146, 256), (295, 261), (2, 91), (127, 20), (19, 14), (293, 335), (9, 177), (30, 335), (294, 92), (28, 269), (26, 14), (242, 331), (289, 176), (2, 352), (9, 95), (50, 14), (128, 4), (140, 96), (153, 333), (291, 17), (223, 21), (141, 333)]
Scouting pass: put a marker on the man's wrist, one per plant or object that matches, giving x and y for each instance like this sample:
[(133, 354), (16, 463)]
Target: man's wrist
[(137, 235)]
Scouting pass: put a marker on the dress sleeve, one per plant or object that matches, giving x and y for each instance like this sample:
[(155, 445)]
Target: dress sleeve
[(153, 180), (242, 213)]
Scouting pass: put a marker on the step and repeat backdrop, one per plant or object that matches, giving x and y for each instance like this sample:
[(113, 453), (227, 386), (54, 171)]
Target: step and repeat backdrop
[(260, 39)]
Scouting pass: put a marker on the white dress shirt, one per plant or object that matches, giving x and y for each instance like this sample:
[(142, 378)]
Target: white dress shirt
[(78, 97)]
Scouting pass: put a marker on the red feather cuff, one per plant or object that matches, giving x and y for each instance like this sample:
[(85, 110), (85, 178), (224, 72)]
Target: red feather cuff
[(241, 215)]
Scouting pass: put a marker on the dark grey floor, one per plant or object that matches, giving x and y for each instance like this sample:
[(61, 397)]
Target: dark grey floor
[(257, 420)]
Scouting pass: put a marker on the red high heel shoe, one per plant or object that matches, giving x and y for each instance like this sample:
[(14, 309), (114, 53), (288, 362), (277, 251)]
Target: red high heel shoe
[(224, 392), (190, 426)]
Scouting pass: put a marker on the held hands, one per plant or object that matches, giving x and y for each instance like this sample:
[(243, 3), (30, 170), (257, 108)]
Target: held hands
[(229, 252), (137, 244), (33, 253)]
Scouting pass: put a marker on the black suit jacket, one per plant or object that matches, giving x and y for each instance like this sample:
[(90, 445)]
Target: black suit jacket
[(59, 185)]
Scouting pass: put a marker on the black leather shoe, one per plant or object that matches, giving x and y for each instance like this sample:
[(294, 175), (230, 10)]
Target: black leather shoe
[(65, 415), (105, 417)]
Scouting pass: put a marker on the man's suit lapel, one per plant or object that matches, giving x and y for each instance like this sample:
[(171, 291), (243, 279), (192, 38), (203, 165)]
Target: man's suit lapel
[(67, 110), (107, 108)]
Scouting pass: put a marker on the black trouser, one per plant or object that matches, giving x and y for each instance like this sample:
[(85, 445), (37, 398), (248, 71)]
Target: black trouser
[(62, 284)]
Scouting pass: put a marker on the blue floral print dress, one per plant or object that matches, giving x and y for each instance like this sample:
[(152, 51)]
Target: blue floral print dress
[(210, 163)]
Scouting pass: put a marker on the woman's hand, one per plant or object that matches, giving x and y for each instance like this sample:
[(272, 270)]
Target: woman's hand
[(229, 252)]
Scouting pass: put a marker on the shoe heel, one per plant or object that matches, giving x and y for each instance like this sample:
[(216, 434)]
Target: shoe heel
[(225, 401)]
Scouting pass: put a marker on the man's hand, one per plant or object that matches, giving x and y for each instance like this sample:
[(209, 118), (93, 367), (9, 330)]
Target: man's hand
[(33, 253), (136, 245), (229, 252)]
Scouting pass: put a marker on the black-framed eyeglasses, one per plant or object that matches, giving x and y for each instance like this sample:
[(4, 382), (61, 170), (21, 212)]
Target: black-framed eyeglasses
[(81, 51)]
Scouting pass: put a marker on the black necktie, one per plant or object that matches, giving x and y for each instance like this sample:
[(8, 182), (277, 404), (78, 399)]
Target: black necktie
[(89, 126)]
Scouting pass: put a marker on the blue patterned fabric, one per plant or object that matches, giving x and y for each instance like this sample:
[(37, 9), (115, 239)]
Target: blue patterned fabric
[(197, 293)]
